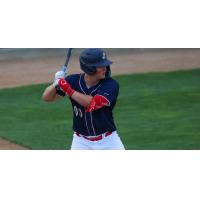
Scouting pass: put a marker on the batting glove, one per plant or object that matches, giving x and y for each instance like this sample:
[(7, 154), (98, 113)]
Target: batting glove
[(60, 74), (66, 87)]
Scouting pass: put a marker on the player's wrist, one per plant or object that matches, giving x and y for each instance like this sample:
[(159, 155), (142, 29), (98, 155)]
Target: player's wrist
[(70, 92)]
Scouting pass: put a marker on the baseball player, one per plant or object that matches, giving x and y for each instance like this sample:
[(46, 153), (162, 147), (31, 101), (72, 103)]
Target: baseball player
[(93, 95)]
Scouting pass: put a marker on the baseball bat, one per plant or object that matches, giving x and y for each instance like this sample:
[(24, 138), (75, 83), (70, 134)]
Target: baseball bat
[(69, 51)]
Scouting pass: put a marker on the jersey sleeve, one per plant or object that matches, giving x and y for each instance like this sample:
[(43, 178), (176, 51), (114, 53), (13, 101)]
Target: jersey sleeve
[(110, 91)]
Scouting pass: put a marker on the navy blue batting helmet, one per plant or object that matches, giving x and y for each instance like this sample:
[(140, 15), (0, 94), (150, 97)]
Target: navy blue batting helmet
[(90, 59)]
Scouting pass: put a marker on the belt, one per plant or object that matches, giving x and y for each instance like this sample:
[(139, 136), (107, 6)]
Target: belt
[(95, 138)]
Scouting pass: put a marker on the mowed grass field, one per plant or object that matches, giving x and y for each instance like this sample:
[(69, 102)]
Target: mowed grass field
[(154, 111)]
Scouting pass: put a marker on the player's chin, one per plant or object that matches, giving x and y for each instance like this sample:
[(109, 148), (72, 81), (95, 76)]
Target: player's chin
[(103, 76)]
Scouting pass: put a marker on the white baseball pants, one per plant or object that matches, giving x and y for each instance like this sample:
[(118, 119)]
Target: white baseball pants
[(111, 142)]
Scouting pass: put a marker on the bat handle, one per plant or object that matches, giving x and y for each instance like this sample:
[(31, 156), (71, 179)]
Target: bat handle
[(68, 56), (64, 69)]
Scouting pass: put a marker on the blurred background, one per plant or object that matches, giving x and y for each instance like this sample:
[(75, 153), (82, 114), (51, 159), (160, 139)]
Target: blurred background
[(32, 66)]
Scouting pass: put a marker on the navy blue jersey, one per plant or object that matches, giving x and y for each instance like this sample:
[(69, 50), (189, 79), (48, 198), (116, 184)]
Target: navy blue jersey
[(99, 121)]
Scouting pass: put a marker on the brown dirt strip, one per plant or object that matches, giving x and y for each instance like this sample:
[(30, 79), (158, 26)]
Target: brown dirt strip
[(7, 145)]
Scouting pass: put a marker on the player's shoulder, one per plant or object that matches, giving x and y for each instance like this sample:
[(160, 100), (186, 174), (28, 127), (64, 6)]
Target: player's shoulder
[(110, 81)]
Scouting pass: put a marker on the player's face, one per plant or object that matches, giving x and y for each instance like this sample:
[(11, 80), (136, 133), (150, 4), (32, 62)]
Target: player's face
[(101, 73)]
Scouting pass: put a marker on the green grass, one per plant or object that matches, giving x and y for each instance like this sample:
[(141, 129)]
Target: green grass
[(154, 111)]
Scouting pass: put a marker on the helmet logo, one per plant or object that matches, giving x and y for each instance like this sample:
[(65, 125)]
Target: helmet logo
[(104, 56)]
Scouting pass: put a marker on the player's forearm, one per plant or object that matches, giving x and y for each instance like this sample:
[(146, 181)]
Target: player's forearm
[(82, 99), (49, 94)]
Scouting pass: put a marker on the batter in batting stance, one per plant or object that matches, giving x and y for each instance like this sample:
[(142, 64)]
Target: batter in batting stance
[(93, 95)]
